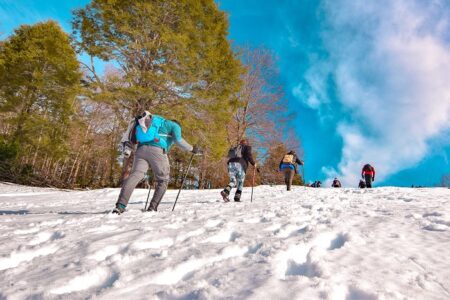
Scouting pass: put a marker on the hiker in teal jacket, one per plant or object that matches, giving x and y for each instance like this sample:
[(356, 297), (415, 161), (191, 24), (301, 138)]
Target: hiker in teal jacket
[(153, 136)]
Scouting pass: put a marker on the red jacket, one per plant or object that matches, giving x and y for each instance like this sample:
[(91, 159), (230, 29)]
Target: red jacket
[(369, 170)]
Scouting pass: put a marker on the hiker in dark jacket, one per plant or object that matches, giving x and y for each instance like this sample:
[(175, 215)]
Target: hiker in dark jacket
[(336, 183), (288, 165), (368, 174), (239, 158)]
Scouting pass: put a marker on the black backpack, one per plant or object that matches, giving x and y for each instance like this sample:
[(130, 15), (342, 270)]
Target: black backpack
[(235, 152)]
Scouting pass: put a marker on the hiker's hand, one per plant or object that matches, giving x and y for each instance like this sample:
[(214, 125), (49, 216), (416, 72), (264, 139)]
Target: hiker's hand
[(127, 148), (196, 149)]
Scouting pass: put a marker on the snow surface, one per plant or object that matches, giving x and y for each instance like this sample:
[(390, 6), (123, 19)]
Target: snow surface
[(383, 243)]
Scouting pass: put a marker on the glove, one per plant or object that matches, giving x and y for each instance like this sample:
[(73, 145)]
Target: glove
[(196, 149), (373, 179), (257, 170), (127, 148)]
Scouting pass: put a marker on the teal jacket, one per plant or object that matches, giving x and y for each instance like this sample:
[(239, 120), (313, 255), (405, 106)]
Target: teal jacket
[(171, 133)]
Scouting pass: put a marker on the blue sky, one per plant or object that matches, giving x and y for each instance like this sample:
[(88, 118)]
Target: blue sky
[(368, 80)]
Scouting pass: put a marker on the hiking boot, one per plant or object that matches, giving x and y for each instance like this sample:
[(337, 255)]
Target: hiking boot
[(120, 208), (225, 193), (150, 209), (237, 196)]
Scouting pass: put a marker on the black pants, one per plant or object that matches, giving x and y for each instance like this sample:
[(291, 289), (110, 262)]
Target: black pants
[(288, 177), (368, 179)]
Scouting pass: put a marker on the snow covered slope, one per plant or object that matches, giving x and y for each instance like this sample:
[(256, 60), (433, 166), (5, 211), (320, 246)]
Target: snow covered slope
[(384, 243)]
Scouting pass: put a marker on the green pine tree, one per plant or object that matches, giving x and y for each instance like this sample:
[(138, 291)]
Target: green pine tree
[(172, 58), (39, 78), (171, 53)]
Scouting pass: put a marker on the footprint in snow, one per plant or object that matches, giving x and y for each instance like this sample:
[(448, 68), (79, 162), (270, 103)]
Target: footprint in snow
[(27, 231), (152, 244), (102, 254), (99, 277), (184, 236), (354, 293), (214, 223), (223, 237), (45, 236), (435, 221), (291, 230), (187, 269), (16, 258), (255, 220), (306, 259), (338, 241), (432, 214), (307, 269), (298, 260)]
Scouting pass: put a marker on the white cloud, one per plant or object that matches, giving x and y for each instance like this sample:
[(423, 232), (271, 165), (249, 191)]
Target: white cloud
[(392, 69)]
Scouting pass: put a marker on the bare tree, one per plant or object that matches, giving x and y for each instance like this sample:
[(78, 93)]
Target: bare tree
[(260, 99)]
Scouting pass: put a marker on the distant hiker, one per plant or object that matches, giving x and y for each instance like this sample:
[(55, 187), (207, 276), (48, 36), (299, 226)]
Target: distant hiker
[(336, 183), (368, 174), (238, 159), (154, 137), (316, 184), (288, 165), (362, 184)]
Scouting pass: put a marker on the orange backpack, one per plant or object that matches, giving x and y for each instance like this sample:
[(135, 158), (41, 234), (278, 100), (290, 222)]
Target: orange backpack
[(288, 159)]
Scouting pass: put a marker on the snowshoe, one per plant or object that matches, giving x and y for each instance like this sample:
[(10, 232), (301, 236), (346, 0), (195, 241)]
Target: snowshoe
[(225, 196), (151, 209), (120, 208), (237, 196)]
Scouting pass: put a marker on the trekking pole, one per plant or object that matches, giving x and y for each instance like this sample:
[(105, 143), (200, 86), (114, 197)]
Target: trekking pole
[(303, 175), (184, 179), (253, 183)]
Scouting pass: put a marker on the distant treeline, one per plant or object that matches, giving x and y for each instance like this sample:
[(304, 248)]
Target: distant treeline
[(62, 120)]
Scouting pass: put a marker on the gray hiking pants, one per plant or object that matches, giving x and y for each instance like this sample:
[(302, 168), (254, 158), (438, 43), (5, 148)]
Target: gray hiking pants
[(159, 162), (288, 177)]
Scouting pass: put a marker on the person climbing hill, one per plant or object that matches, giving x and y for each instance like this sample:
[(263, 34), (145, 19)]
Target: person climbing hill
[(368, 174), (154, 137), (288, 165), (336, 183), (238, 159)]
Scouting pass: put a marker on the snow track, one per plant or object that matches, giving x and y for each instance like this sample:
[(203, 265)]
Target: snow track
[(384, 243)]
